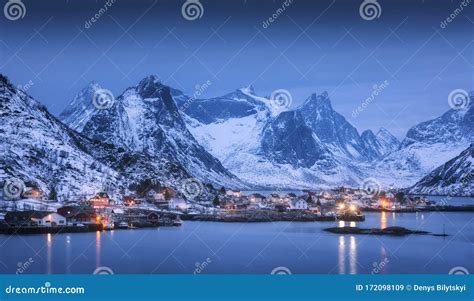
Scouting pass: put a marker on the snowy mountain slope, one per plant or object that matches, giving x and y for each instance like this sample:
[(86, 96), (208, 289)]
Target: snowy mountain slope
[(288, 140), (81, 108), (332, 128), (238, 104), (387, 141), (146, 119), (37, 148), (455, 177), (262, 147), (427, 146), (377, 145)]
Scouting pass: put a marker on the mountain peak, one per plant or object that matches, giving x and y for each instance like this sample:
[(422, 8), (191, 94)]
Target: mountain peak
[(367, 133), (248, 90), (152, 78), (150, 86), (320, 101), (383, 130)]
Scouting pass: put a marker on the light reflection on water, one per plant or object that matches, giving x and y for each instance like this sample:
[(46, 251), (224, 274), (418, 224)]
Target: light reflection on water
[(343, 254), (49, 244), (97, 248), (351, 255), (383, 220), (68, 254)]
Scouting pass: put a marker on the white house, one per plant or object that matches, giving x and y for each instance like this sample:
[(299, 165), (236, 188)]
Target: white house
[(52, 219), (155, 196), (299, 204), (234, 193), (178, 204)]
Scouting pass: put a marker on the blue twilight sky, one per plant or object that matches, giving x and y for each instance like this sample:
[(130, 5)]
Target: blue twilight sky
[(313, 46)]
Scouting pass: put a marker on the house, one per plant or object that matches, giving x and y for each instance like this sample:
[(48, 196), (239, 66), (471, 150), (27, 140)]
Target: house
[(177, 204), (100, 201), (274, 198), (153, 196), (256, 198), (130, 201), (35, 218), (299, 204), (79, 215), (234, 193), (32, 193), (51, 219)]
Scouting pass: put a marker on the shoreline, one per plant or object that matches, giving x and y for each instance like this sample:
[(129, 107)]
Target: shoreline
[(465, 208)]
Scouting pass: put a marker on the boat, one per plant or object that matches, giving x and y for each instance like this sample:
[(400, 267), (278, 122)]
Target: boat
[(177, 221), (131, 226), (109, 225), (123, 225)]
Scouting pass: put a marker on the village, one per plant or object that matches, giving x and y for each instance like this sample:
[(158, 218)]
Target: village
[(34, 213)]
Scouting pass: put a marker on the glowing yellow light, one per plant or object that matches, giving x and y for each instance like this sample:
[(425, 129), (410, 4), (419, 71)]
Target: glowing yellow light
[(341, 206), (352, 207)]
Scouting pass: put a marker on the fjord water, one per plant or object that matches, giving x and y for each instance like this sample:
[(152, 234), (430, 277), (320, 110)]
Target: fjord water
[(256, 248)]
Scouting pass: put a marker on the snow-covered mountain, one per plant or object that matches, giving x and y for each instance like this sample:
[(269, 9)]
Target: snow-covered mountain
[(313, 145), (38, 149), (377, 145), (427, 146), (278, 149), (455, 177), (332, 128), (79, 110), (145, 119), (153, 131)]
